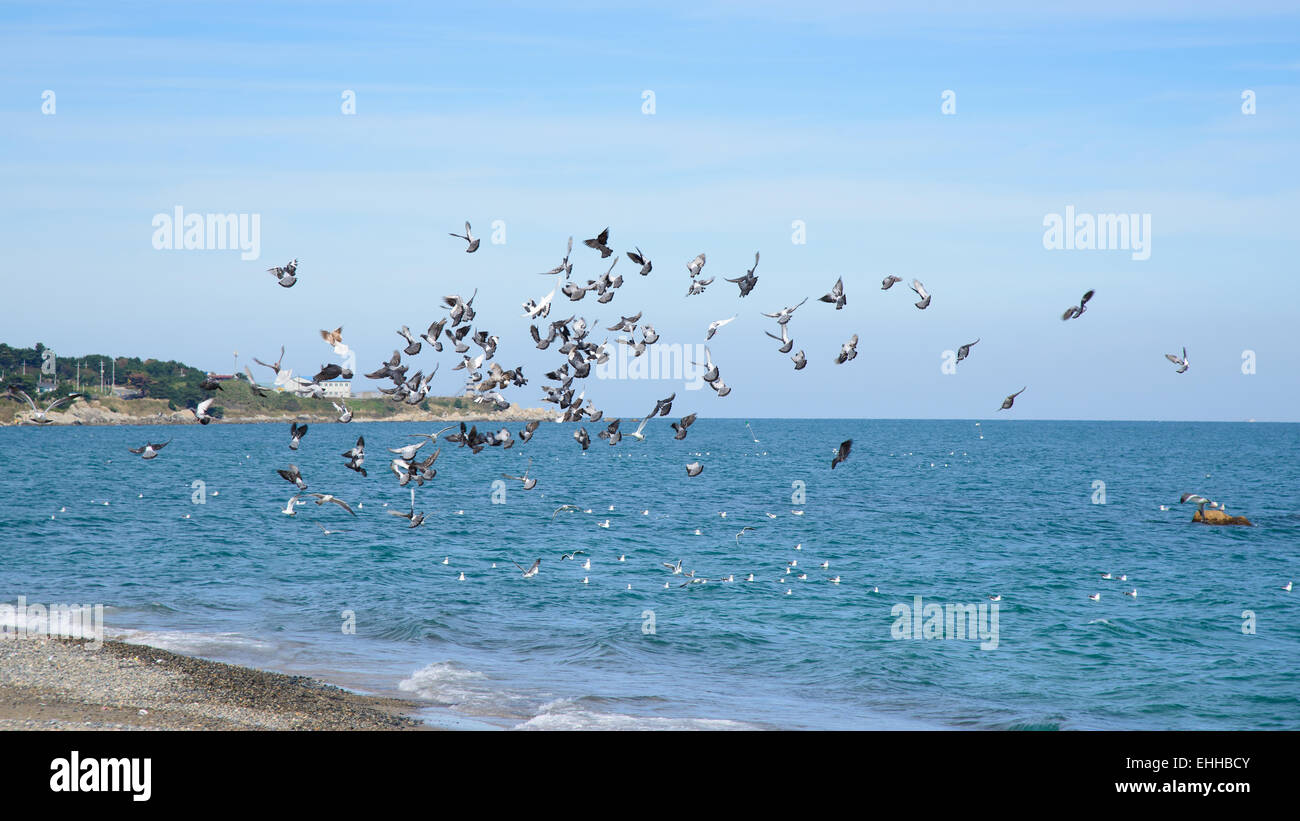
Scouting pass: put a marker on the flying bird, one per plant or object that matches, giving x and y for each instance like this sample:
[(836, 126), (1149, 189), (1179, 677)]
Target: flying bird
[(696, 265), (747, 282), (296, 432), (536, 566), (922, 293), (150, 449), (286, 275), (836, 296), (201, 412), (599, 243), (1181, 362), (322, 498), (888, 282), (1011, 400), (783, 316), (39, 416), (716, 324), (293, 475), (848, 351), (468, 237), (842, 453), (1076, 311), (642, 260), (964, 350), (694, 469)]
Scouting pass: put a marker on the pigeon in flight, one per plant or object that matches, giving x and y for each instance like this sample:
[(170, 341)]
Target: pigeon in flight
[(715, 325), (784, 338), (286, 275), (150, 449), (696, 265), (888, 282), (1011, 400), (565, 267), (747, 282), (922, 293), (848, 351), (293, 475), (843, 453), (642, 260), (964, 350), (296, 432), (201, 412), (1181, 362), (783, 316), (1076, 311), (836, 296), (800, 361), (680, 427), (599, 242), (468, 237), (698, 286)]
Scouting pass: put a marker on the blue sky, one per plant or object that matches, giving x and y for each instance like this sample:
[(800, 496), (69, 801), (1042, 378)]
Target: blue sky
[(765, 113)]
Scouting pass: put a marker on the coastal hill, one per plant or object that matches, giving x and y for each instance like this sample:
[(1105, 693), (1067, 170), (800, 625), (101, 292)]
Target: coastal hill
[(166, 390)]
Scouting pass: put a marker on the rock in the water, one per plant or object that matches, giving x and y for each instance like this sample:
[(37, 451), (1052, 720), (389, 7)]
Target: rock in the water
[(1218, 517)]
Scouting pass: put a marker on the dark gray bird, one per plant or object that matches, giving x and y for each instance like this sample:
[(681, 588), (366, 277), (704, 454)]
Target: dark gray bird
[(799, 361), (412, 344), (1011, 400), (1076, 311), (468, 237), (529, 429), (843, 453), (582, 438), (964, 350), (642, 260), (599, 242), (416, 519), (253, 386), (296, 432), (836, 296), (747, 282), (888, 282), (694, 469), (680, 427), (293, 475)]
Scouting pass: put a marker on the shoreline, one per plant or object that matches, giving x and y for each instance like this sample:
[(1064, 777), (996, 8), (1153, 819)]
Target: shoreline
[(96, 413), (53, 683)]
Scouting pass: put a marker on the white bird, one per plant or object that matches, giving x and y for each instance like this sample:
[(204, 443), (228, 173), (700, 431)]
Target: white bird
[(717, 324), (1095, 597), (39, 416)]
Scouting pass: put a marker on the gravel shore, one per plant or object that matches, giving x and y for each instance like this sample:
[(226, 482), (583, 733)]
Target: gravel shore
[(66, 684)]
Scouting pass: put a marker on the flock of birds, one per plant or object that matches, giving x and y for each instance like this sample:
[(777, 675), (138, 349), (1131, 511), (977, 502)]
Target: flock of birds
[(487, 380)]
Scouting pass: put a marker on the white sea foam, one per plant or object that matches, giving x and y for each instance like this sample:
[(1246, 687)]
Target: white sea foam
[(197, 644), (565, 714)]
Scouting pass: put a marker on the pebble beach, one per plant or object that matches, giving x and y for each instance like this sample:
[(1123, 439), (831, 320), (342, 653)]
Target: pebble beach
[(67, 684)]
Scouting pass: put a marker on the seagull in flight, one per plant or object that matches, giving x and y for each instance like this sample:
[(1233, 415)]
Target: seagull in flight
[(39, 416), (322, 498), (537, 565)]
